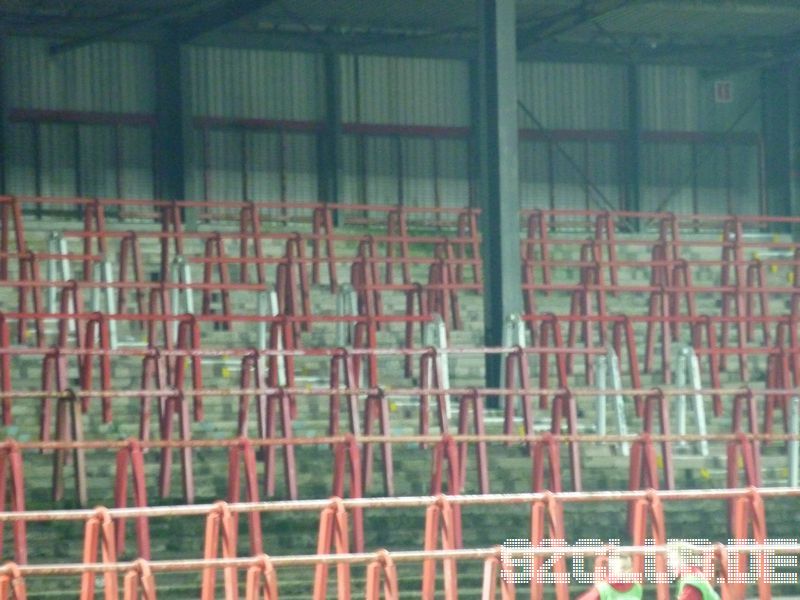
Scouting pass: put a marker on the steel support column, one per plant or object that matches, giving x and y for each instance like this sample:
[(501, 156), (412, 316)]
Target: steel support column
[(633, 189), (332, 136), (499, 176), (4, 159), (169, 134), (779, 120)]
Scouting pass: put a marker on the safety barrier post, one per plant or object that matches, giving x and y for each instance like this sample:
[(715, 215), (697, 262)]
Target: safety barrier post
[(252, 374), (12, 584), (733, 299), (397, 232), (547, 529), (377, 405), (12, 490), (623, 328), (71, 307), (158, 303), (343, 373), (215, 253), (139, 579), (492, 568), (605, 233), (473, 400), (346, 306), (220, 522), (132, 455), (58, 269), (182, 300), (5, 369), (99, 529), (517, 379), (467, 226), (130, 257), (748, 516), (415, 297), (705, 324), (10, 215), (793, 449), (683, 285), (382, 575), (280, 402), (447, 450), (643, 470), (262, 580), (656, 405), (104, 299), (649, 511), (69, 428), (176, 403), (757, 280), (171, 229), (687, 372), (439, 521), (333, 537), (550, 329), (97, 337), (322, 227), (250, 229), (538, 235), (346, 456), (432, 378), (243, 452), (29, 272), (565, 407), (740, 402), (154, 377), (608, 367), (94, 226), (549, 448)]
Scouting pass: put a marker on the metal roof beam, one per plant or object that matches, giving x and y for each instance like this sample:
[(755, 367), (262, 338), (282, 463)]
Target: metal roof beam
[(566, 21), (229, 12)]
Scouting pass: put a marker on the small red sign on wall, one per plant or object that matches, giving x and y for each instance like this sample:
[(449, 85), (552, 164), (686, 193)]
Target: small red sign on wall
[(723, 92)]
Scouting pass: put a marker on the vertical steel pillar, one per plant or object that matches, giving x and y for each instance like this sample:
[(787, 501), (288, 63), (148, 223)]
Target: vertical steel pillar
[(332, 136), (779, 120), (499, 176), (3, 119), (633, 188), (169, 134)]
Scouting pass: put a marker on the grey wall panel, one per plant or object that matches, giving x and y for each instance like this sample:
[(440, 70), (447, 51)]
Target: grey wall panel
[(572, 96), (257, 84), (453, 173), (137, 163), (21, 168), (105, 76), (405, 91)]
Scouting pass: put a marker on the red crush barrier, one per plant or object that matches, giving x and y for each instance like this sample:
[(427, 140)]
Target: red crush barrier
[(139, 582), (12, 584), (132, 456), (244, 453), (220, 522), (547, 528), (333, 537), (377, 408), (647, 523), (382, 576), (473, 401), (749, 522), (69, 427), (97, 336), (99, 529), (12, 485), (346, 456), (492, 568), (439, 521), (10, 216), (322, 226), (262, 580), (215, 257)]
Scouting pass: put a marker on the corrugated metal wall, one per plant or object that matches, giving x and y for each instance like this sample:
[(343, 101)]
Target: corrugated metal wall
[(424, 99), (255, 120), (715, 174), (266, 160), (77, 157), (556, 172)]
